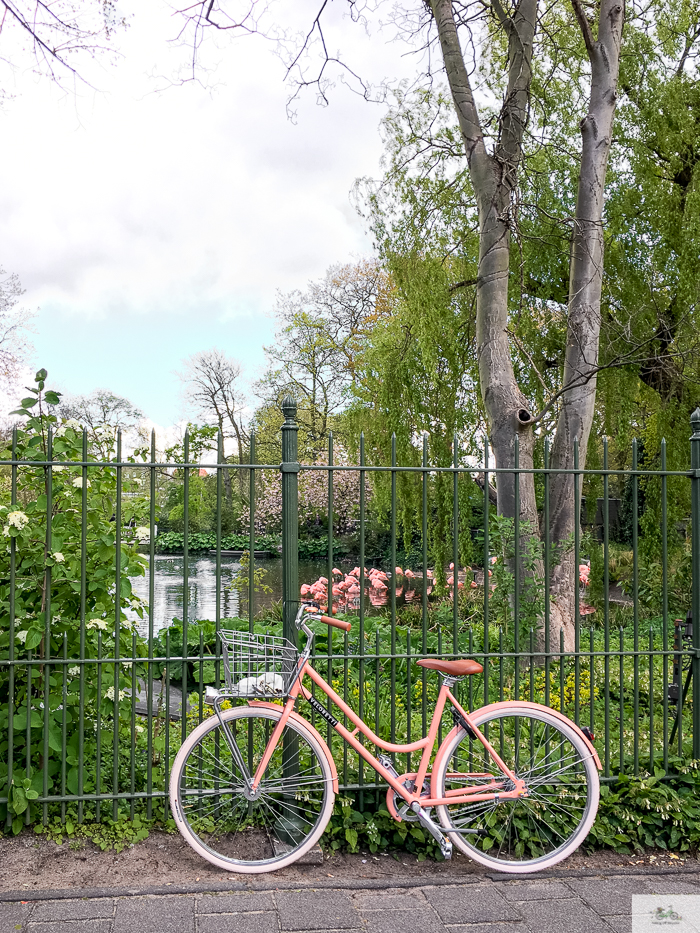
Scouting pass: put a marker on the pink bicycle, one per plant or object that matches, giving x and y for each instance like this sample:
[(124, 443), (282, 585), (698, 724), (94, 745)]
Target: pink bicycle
[(514, 785)]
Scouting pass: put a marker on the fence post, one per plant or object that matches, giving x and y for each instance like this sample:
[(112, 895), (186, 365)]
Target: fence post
[(288, 827), (695, 543), (290, 518)]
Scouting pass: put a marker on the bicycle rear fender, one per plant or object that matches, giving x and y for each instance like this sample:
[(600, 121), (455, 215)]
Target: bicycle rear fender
[(510, 704), (304, 722)]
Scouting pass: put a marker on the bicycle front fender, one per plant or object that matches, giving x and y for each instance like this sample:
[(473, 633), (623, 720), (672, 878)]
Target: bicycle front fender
[(511, 704), (316, 734)]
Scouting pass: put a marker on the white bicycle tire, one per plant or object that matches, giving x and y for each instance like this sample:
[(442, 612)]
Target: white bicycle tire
[(196, 843), (584, 827)]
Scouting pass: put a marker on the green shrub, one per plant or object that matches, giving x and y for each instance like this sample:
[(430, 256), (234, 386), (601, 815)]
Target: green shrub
[(61, 513), (172, 542)]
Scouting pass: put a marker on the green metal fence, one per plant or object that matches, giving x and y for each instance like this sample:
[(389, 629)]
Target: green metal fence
[(75, 741)]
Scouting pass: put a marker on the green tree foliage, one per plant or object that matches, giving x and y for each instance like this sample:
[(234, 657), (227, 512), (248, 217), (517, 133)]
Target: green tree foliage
[(199, 487), (320, 334)]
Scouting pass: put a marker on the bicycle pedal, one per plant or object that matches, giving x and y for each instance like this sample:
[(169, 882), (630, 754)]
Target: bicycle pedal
[(434, 830)]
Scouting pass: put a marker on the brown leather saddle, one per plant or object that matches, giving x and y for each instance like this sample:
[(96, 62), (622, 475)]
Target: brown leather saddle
[(452, 668)]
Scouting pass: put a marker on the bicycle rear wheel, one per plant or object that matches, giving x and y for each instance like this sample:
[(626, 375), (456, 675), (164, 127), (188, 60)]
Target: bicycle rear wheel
[(533, 832), (209, 801)]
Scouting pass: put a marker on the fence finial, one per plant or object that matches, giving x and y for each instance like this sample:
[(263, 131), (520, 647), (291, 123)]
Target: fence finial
[(695, 422), (289, 408)]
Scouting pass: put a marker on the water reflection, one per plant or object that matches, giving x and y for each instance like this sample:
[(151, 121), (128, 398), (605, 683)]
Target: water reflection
[(201, 589), (169, 590)]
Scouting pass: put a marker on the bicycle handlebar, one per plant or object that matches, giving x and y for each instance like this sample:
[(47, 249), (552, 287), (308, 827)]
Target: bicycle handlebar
[(336, 623), (329, 620)]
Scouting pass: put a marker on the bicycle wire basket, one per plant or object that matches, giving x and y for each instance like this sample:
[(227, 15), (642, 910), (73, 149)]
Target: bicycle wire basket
[(258, 665)]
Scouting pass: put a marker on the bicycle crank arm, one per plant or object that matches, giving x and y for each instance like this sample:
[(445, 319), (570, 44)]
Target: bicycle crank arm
[(434, 830)]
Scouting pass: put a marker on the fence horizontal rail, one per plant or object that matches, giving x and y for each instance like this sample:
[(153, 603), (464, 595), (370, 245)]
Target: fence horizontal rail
[(367, 656), (346, 468)]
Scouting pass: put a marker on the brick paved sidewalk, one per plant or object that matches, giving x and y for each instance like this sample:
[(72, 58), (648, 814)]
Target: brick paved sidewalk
[(545, 905)]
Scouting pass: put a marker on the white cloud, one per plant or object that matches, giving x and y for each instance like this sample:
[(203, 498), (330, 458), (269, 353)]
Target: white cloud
[(148, 226)]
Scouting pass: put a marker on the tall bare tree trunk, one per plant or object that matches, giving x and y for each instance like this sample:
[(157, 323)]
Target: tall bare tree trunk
[(494, 178), (585, 284)]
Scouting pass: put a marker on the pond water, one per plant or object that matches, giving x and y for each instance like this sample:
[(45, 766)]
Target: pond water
[(169, 594)]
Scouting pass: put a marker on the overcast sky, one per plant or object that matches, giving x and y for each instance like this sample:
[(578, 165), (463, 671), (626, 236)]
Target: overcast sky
[(146, 226)]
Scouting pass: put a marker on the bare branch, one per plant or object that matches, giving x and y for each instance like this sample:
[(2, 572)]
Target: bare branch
[(465, 283), (528, 357), (585, 27)]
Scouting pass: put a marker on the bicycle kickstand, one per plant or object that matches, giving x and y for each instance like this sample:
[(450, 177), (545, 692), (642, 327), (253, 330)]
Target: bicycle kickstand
[(434, 830)]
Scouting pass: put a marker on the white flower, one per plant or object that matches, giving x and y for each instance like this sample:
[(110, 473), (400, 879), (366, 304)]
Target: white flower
[(98, 623), (127, 665), (143, 531), (109, 695), (17, 520), (71, 424), (78, 482), (58, 557), (21, 636), (74, 671), (58, 469), (6, 531), (139, 728)]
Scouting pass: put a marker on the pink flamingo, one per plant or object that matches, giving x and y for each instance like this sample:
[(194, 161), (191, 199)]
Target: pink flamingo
[(410, 574), (398, 571)]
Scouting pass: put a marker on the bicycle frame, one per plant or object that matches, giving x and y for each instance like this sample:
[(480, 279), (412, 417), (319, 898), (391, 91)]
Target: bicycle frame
[(494, 790)]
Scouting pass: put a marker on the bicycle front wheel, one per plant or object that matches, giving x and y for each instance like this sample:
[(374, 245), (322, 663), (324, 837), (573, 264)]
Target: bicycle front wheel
[(215, 814), (530, 833)]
